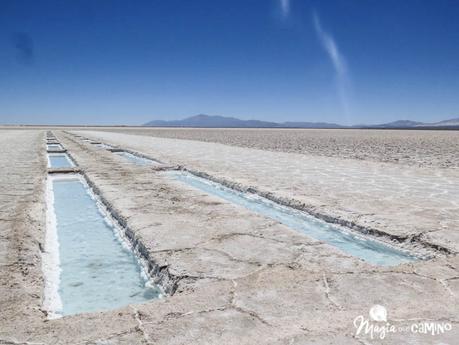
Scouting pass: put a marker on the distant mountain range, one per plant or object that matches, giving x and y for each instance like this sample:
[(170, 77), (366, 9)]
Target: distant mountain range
[(216, 121)]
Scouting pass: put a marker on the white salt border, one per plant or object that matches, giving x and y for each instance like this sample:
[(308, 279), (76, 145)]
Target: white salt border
[(50, 257)]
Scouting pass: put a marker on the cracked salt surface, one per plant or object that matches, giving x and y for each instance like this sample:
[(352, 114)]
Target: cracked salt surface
[(89, 266), (369, 250)]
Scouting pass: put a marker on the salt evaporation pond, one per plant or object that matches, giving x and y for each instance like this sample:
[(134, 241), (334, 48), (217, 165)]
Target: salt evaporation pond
[(98, 270), (54, 147), (136, 159), (373, 252), (59, 160)]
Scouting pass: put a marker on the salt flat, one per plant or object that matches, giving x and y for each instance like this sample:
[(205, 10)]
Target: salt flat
[(240, 278), (410, 147)]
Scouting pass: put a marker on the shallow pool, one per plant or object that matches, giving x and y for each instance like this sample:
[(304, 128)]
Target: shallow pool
[(59, 160), (54, 147), (97, 269), (372, 251), (136, 159)]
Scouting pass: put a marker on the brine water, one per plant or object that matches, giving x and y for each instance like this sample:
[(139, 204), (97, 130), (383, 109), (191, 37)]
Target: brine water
[(136, 159), (60, 160), (97, 269), (372, 251)]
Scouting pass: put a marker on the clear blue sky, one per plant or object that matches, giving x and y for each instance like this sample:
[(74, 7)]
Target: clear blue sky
[(128, 62)]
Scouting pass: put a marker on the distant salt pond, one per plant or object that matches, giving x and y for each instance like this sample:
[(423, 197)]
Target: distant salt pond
[(54, 147), (89, 266), (374, 252), (136, 159), (59, 160)]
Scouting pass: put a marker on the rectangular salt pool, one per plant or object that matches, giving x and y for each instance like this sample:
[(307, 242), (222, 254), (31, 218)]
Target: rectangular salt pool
[(88, 264), (59, 160), (54, 147), (374, 252), (137, 160)]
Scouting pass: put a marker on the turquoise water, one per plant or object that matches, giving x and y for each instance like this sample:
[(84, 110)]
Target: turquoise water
[(136, 159), (373, 252), (60, 160), (98, 271)]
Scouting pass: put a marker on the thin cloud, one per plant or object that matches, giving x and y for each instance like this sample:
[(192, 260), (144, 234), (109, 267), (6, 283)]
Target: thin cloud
[(337, 59), (285, 8)]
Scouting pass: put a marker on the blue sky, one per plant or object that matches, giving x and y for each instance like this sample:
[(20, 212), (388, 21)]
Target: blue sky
[(128, 62)]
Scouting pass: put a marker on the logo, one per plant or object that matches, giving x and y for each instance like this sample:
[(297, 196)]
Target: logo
[(378, 313), (378, 326)]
